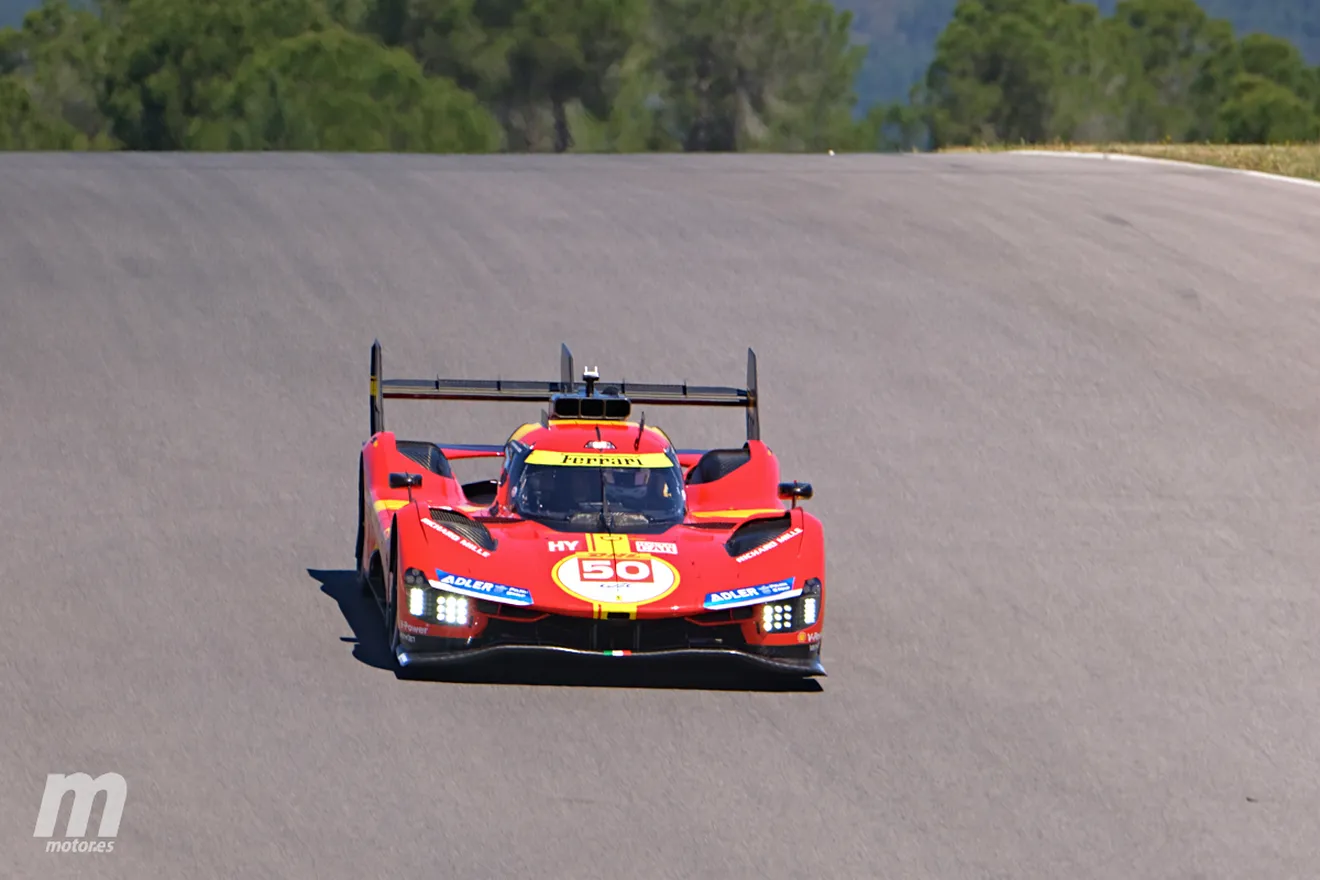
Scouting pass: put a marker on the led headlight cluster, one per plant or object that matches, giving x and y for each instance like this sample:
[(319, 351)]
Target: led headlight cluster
[(428, 603), (794, 614), (777, 617)]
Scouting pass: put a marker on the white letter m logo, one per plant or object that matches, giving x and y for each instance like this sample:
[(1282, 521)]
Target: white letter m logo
[(84, 789)]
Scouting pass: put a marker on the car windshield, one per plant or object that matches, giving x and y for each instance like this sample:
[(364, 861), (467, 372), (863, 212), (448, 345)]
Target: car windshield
[(582, 495)]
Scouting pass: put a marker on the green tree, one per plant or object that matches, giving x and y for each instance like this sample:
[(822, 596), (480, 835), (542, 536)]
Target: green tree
[(1187, 65), (631, 121), (755, 74), (170, 61), (1278, 61), (529, 61), (563, 52), (1089, 98), (24, 125), (1000, 67), (1034, 70), (333, 90), (57, 61), (1261, 111)]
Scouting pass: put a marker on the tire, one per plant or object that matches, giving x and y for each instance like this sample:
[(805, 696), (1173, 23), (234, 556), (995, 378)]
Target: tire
[(391, 586), (391, 606)]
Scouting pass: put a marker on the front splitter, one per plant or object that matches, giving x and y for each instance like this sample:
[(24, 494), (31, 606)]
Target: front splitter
[(806, 667)]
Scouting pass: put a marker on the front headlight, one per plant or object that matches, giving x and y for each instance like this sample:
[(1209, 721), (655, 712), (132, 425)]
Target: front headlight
[(428, 603), (794, 614), (777, 617)]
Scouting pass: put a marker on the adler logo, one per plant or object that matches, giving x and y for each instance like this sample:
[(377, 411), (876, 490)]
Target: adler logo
[(85, 790)]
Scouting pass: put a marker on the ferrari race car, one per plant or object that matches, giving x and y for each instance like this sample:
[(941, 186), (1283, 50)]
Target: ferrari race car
[(598, 537)]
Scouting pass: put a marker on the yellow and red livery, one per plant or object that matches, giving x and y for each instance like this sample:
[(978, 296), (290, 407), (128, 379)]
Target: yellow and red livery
[(598, 537)]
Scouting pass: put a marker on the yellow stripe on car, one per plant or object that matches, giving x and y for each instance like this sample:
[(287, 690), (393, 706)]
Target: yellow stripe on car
[(738, 514), (606, 543)]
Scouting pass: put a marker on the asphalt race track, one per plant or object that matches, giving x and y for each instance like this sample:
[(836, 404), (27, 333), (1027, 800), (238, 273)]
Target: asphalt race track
[(1062, 418)]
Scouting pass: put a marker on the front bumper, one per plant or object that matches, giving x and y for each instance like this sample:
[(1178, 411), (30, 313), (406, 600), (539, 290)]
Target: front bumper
[(809, 666), (616, 641)]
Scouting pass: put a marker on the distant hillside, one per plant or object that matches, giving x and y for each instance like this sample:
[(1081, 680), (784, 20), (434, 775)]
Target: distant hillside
[(1297, 21), (900, 37), (901, 34)]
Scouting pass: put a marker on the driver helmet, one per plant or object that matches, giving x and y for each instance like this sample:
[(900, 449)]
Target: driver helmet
[(628, 483)]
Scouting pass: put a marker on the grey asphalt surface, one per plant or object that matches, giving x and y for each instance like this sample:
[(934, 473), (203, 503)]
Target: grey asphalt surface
[(1062, 418)]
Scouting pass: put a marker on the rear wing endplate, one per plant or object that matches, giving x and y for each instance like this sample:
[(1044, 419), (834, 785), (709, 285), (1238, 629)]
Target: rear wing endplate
[(531, 391)]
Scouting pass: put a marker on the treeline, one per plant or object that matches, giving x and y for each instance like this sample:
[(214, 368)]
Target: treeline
[(431, 75), (1011, 71), (901, 34), (628, 76)]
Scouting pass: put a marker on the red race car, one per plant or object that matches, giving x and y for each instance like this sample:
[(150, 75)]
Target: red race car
[(598, 538)]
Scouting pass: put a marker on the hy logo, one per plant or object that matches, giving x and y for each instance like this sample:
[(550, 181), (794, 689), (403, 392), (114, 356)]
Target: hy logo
[(84, 789)]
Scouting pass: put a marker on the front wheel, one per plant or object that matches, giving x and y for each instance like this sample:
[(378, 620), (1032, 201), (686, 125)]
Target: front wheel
[(391, 597), (392, 639)]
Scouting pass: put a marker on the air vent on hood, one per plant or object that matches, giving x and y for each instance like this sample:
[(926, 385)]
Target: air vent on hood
[(468, 528), (753, 534)]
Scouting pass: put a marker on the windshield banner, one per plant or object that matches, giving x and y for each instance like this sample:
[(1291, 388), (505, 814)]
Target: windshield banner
[(600, 459)]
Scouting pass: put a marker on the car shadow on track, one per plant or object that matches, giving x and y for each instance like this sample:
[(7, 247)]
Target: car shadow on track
[(361, 612), (363, 615)]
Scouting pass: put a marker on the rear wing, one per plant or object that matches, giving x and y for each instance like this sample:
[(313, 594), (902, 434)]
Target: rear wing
[(567, 396)]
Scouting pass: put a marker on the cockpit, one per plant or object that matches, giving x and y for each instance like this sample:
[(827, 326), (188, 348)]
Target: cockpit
[(586, 490)]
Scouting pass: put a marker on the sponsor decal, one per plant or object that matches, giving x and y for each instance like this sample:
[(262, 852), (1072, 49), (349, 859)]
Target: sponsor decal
[(466, 586), (456, 537), (662, 548), (600, 459), (407, 626), (740, 596), (770, 545), (808, 638), (628, 580), (562, 546)]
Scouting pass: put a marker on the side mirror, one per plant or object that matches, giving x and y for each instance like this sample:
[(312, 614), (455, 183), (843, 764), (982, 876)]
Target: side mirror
[(405, 481), (795, 491)]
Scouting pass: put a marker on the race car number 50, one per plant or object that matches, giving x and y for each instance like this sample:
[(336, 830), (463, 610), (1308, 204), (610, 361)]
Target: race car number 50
[(630, 580), (634, 571)]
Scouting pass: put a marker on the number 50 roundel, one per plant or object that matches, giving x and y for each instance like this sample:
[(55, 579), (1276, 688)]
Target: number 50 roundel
[(632, 579)]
